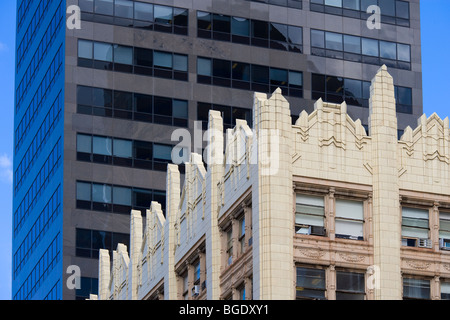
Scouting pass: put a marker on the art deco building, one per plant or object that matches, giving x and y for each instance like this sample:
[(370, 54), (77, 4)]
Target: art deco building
[(96, 107), (312, 210)]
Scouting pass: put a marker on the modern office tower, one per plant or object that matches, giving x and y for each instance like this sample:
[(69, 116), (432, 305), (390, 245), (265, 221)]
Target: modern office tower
[(96, 106)]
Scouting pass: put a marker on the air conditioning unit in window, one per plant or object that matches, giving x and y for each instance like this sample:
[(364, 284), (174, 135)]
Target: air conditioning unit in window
[(444, 244), (316, 231), (425, 243), (195, 291)]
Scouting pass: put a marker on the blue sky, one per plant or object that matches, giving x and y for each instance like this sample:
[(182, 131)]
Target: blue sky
[(436, 81)]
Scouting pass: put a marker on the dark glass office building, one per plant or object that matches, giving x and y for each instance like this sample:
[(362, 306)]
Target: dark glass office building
[(95, 107)]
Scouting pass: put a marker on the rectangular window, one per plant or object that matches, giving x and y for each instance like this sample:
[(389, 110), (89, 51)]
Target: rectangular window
[(204, 67), (122, 148), (84, 143), (309, 215), (143, 11), (310, 284), (444, 230), (388, 50), (352, 44), (123, 55), (403, 97), (349, 219), (162, 60), (333, 41), (103, 51), (123, 9), (370, 47), (317, 39), (105, 7), (417, 289), (229, 249), (240, 27), (85, 49), (415, 227), (351, 4), (445, 290), (242, 233), (122, 196), (197, 273), (101, 193), (84, 191), (102, 146), (350, 286), (163, 15)]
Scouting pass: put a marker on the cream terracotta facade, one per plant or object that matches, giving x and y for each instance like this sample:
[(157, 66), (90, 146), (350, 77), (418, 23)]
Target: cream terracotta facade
[(201, 248)]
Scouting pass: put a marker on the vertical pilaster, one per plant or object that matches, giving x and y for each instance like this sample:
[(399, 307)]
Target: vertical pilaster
[(104, 268), (135, 249), (172, 203), (386, 211), (274, 253), (215, 173)]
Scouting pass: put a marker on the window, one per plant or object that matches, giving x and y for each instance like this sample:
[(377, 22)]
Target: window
[(415, 227), (445, 290), (249, 77), (143, 11), (117, 199), (88, 286), (351, 4), (229, 248), (404, 52), (309, 215), (242, 234), (89, 242), (358, 49), (317, 38), (122, 196), (403, 97), (197, 273), (349, 219), (123, 9), (444, 230), (333, 41), (105, 7), (388, 50), (370, 47), (84, 143), (122, 148), (352, 44), (204, 67), (242, 292), (240, 26), (417, 289), (128, 105), (102, 146), (350, 286), (310, 284), (103, 51), (185, 290), (123, 55), (85, 49), (132, 60), (335, 90), (163, 15)]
